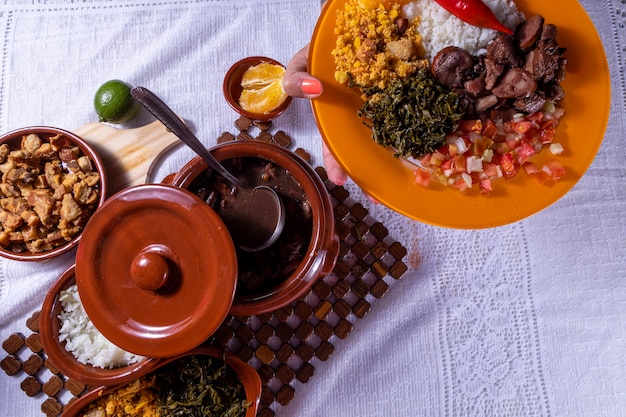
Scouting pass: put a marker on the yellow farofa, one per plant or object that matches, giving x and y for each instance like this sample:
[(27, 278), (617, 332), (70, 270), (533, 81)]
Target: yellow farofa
[(360, 26), (135, 399)]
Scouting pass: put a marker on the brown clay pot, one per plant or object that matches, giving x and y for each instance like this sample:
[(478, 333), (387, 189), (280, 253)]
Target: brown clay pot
[(321, 254)]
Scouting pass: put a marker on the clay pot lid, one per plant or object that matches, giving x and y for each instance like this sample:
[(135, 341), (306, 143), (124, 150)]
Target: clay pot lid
[(156, 270)]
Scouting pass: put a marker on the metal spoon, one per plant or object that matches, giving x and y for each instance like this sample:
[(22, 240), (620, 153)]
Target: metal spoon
[(257, 217)]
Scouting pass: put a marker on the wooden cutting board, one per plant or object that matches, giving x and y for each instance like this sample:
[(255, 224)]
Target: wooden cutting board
[(128, 154)]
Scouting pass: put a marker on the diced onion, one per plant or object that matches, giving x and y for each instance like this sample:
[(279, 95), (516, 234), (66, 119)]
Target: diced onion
[(474, 164), (555, 148), (467, 178), (488, 155), (460, 145)]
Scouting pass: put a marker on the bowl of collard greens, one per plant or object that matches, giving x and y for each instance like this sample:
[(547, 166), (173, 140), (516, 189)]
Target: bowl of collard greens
[(204, 381)]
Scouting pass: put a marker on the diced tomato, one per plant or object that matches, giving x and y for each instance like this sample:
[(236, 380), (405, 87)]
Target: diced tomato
[(477, 176), (558, 170), (446, 167), (524, 151), (490, 129), (425, 160), (490, 169), (460, 184), (536, 116), (542, 176), (547, 134), (508, 166), (422, 177), (439, 177), (459, 164), (480, 151), (512, 143), (530, 168), (485, 186), (437, 158), (481, 144), (453, 150), (521, 127), (502, 148), (470, 125)]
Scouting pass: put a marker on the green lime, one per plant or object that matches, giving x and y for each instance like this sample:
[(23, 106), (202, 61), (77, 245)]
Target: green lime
[(113, 102)]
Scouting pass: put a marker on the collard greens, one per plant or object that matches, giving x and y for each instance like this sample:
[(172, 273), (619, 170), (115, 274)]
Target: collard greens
[(412, 115), (200, 386)]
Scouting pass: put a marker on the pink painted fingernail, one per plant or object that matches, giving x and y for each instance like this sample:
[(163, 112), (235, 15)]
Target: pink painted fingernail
[(311, 87)]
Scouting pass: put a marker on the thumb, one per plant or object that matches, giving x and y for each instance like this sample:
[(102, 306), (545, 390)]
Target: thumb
[(297, 82)]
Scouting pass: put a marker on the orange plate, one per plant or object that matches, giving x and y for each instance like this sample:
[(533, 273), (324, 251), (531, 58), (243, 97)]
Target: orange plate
[(390, 180)]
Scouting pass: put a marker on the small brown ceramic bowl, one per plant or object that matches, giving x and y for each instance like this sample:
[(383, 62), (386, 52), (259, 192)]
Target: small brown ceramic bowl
[(247, 375), (14, 248), (318, 256), (66, 362), (232, 88)]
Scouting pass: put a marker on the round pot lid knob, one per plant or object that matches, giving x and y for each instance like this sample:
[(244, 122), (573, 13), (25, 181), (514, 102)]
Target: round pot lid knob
[(152, 271)]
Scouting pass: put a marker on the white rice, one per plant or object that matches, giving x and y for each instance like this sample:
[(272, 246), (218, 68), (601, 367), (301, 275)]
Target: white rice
[(82, 338), (439, 28)]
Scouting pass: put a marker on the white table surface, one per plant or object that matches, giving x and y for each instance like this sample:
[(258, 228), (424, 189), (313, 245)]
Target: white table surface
[(530, 322)]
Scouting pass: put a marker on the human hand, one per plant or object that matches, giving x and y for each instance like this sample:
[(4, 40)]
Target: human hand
[(299, 83)]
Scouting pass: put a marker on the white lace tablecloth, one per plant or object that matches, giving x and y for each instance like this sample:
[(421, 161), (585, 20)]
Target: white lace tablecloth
[(522, 320)]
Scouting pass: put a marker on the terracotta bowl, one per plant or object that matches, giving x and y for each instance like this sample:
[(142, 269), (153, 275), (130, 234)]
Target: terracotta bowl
[(323, 248), (247, 375), (66, 362), (232, 88), (13, 140)]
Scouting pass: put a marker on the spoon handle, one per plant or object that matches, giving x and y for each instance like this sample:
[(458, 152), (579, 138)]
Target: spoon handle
[(174, 124)]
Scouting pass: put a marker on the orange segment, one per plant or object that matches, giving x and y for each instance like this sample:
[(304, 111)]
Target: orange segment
[(264, 99), (262, 88)]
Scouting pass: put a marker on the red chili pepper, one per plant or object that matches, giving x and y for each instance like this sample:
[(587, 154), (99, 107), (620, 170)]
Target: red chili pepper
[(474, 12)]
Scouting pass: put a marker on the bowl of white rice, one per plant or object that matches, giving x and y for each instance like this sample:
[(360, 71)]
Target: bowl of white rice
[(74, 345)]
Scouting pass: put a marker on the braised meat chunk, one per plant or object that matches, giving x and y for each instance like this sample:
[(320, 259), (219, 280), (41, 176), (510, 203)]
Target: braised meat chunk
[(519, 72)]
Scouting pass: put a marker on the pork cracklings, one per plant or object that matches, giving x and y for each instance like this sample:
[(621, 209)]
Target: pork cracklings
[(48, 191)]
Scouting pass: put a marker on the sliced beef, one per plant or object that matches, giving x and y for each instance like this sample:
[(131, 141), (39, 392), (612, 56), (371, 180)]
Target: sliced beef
[(532, 103), (517, 82), (475, 86), (548, 32), (502, 50), (544, 60), (528, 32), (493, 71), (559, 74), (519, 73), (481, 104), (554, 92)]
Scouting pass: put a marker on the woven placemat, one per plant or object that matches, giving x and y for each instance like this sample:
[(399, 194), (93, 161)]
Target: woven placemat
[(282, 346)]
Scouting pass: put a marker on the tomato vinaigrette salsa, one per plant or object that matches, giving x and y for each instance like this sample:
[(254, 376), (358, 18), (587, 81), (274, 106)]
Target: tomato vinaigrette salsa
[(479, 152)]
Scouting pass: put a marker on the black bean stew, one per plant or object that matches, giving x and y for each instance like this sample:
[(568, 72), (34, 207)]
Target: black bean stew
[(261, 271)]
